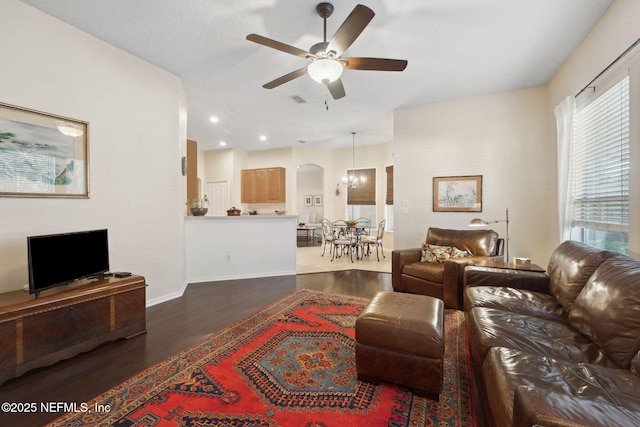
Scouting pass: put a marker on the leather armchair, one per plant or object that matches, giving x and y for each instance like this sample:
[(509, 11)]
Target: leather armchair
[(443, 280)]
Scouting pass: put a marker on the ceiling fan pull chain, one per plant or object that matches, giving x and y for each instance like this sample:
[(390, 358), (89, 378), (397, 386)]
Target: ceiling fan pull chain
[(326, 97)]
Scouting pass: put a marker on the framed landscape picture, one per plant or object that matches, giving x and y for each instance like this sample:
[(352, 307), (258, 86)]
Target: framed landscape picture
[(42, 155), (317, 200), (457, 194)]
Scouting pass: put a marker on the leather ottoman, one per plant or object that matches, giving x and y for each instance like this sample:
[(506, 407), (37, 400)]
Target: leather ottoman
[(400, 339)]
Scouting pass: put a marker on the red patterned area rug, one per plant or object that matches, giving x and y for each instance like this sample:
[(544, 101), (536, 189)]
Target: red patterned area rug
[(290, 364)]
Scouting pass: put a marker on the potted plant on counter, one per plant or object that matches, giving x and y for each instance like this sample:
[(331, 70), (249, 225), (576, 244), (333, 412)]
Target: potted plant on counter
[(198, 207)]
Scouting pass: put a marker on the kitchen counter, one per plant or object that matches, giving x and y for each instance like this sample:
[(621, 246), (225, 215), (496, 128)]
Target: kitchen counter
[(274, 216)]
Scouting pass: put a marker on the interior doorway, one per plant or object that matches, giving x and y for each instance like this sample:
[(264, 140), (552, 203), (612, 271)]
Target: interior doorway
[(310, 200), (218, 194)]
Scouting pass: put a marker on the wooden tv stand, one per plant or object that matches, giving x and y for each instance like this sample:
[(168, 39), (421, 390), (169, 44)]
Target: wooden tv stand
[(63, 322)]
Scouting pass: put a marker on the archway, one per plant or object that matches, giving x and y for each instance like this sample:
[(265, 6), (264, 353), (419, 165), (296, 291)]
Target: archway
[(310, 197)]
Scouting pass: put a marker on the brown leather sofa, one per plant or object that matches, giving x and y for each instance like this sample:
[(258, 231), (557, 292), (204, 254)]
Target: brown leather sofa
[(443, 280), (566, 353)]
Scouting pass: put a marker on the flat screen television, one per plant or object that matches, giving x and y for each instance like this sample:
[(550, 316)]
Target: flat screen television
[(59, 259)]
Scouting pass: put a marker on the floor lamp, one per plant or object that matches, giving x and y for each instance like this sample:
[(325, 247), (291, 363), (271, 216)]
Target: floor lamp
[(477, 222)]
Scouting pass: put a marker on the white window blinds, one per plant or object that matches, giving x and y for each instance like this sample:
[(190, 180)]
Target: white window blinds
[(600, 162)]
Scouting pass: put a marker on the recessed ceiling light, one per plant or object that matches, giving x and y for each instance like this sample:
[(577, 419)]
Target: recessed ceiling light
[(263, 138), (222, 143), (214, 119)]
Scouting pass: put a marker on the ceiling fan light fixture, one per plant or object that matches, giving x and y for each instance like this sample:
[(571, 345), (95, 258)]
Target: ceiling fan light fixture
[(325, 70)]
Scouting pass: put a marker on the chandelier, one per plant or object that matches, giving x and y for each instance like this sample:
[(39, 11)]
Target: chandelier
[(353, 181)]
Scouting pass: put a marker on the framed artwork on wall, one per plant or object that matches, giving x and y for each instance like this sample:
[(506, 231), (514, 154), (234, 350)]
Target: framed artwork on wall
[(457, 193), (317, 200), (308, 201), (42, 155)]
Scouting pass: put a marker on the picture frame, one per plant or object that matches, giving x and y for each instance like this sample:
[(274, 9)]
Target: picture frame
[(308, 201), (317, 200), (42, 155), (457, 193)]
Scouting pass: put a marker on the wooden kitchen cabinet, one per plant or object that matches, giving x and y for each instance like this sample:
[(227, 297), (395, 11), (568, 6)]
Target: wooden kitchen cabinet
[(247, 187), (265, 185)]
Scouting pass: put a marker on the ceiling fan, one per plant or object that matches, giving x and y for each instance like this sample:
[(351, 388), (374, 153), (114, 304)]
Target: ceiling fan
[(325, 61)]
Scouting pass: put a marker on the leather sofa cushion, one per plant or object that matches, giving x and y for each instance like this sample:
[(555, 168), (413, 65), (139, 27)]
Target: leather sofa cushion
[(429, 271), (505, 369), (570, 266), (489, 328), (521, 301), (541, 407), (476, 242), (608, 309)]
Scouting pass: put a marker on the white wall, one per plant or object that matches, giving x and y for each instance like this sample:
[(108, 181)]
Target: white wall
[(309, 181), (137, 116), (507, 138)]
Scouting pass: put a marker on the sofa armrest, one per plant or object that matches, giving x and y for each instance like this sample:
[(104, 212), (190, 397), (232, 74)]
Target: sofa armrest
[(539, 406), (399, 258), (518, 279), (452, 287)]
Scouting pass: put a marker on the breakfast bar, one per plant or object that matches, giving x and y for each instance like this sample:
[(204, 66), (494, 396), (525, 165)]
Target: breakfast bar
[(235, 247)]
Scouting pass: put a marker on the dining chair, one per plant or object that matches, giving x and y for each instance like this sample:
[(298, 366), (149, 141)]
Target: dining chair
[(342, 240), (375, 240), (362, 229), (327, 236), (363, 226)]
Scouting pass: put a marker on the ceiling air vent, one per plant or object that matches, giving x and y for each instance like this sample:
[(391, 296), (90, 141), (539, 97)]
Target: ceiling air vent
[(298, 99)]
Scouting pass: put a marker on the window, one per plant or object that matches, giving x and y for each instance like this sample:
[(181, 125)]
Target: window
[(600, 170), (365, 194), (361, 201)]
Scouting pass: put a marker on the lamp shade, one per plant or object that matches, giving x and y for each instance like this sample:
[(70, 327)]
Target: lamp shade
[(69, 129), (325, 70), (476, 222)]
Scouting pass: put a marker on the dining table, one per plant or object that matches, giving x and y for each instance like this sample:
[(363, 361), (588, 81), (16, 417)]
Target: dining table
[(353, 233)]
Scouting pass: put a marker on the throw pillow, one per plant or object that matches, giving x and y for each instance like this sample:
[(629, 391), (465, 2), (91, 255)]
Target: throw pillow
[(435, 253), (459, 253)]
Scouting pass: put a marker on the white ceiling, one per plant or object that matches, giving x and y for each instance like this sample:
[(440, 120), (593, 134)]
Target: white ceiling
[(455, 49)]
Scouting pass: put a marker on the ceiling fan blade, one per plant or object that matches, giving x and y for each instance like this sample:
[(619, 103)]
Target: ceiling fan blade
[(375, 64), (351, 29), (277, 45), (336, 89), (286, 78)]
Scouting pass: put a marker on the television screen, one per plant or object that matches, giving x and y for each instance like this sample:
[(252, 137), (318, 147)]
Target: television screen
[(58, 259)]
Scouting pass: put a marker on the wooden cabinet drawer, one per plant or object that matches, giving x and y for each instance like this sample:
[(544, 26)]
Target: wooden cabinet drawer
[(8, 351), (130, 308), (56, 330)]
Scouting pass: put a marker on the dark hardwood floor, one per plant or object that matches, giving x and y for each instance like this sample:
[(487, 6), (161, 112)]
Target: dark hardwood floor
[(171, 327)]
